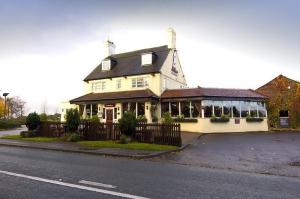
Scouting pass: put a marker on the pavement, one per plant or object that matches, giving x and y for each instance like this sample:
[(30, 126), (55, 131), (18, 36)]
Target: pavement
[(187, 139), (29, 173), (266, 153)]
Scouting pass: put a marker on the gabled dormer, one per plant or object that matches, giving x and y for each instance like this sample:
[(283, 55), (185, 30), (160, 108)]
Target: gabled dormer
[(148, 58)]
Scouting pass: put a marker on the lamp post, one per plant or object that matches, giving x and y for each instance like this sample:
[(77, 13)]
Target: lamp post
[(5, 95)]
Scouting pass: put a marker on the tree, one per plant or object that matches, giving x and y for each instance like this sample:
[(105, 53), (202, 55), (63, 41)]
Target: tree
[(72, 120), (15, 107), (1, 107)]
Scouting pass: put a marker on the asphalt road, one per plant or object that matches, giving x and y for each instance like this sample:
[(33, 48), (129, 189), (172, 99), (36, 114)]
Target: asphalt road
[(30, 173)]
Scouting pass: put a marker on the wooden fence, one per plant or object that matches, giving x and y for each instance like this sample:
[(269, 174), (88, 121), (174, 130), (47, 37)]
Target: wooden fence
[(165, 134)]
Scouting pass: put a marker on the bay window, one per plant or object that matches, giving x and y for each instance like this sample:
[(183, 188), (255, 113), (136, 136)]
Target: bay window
[(208, 108), (218, 108)]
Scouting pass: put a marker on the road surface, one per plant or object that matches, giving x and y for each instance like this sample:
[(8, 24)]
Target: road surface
[(31, 173)]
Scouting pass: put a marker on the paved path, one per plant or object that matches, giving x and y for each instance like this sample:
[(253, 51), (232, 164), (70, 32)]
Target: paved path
[(269, 153), (49, 174), (13, 131)]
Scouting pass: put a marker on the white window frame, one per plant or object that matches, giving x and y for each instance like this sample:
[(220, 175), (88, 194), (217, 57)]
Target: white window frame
[(119, 83), (139, 82), (147, 59), (106, 65)]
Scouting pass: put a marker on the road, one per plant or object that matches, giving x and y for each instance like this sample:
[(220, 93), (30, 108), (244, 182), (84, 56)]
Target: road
[(31, 173), (15, 131)]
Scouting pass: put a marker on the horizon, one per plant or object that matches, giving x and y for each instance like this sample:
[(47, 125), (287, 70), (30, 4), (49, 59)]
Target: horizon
[(44, 57)]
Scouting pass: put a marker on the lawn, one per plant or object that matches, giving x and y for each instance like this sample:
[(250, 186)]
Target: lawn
[(131, 145), (33, 139)]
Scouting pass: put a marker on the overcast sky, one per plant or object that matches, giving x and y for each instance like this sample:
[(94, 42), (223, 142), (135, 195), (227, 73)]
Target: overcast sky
[(47, 47)]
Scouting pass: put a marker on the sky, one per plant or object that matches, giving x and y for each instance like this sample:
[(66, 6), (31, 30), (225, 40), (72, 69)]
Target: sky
[(47, 47)]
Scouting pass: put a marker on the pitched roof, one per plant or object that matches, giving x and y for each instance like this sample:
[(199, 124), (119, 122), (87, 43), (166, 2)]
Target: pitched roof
[(122, 95), (130, 64), (211, 92), (279, 77)]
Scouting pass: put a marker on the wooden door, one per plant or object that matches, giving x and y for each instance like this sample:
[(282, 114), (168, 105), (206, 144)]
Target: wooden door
[(109, 115)]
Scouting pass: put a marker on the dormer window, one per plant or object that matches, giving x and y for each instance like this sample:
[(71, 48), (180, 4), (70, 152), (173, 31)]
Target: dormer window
[(106, 64), (147, 59)]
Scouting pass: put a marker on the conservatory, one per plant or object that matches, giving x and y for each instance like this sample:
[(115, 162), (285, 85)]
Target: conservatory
[(210, 110)]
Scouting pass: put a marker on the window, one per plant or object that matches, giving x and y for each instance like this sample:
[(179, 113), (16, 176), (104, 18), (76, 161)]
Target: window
[(227, 108), (236, 108), (125, 107), (132, 107), (141, 109), (244, 109), (119, 83), (106, 64), (139, 82), (261, 109), (164, 107), (283, 113), (98, 86), (208, 107), (174, 109), (218, 108), (147, 59), (115, 113), (185, 108), (196, 108), (253, 109), (103, 113)]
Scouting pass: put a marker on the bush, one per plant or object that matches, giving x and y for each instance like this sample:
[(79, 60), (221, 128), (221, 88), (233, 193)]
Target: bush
[(186, 120), (254, 119), (141, 118), (43, 117), (72, 120), (28, 134), (222, 119), (95, 119), (124, 139), (127, 124), (33, 121), (9, 124), (166, 118), (73, 137)]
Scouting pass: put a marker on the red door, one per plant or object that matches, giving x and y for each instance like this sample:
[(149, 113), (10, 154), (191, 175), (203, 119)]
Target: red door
[(109, 115)]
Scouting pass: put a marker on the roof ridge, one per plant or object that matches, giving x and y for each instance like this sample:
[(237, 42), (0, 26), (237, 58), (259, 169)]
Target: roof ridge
[(136, 51)]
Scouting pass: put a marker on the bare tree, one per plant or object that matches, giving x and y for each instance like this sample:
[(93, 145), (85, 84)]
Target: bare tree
[(15, 107)]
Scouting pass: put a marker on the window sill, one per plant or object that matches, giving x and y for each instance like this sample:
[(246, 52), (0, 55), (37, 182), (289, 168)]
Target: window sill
[(254, 119), (186, 120)]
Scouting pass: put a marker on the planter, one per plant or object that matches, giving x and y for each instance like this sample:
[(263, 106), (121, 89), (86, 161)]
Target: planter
[(186, 120), (254, 119), (219, 120)]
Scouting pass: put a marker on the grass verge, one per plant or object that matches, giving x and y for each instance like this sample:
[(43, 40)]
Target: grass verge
[(33, 139), (131, 145)]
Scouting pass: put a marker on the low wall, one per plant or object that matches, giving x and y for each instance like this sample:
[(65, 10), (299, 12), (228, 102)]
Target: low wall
[(204, 125)]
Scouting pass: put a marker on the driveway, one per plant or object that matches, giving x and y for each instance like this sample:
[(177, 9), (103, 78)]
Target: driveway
[(268, 153), (13, 131)]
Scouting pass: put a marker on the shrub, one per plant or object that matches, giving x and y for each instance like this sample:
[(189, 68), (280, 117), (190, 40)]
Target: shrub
[(95, 119), (124, 139), (141, 118), (72, 119), (9, 124), (166, 118), (127, 124), (33, 121), (222, 119), (186, 120), (43, 117), (28, 134), (73, 137), (254, 119)]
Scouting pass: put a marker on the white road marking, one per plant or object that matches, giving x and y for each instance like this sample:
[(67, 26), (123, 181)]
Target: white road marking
[(124, 195), (97, 184)]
